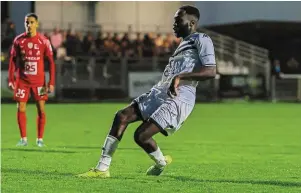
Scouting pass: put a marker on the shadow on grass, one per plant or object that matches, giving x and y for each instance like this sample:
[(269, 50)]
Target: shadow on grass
[(119, 148), (95, 147), (34, 172), (36, 150), (255, 182), (145, 179)]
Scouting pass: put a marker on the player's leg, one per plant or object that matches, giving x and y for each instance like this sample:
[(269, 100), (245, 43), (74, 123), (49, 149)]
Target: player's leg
[(41, 97), (122, 118), (144, 138), (167, 119), (21, 117), (21, 95), (41, 121)]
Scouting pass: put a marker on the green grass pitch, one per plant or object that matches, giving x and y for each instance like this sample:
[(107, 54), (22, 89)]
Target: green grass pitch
[(226, 147)]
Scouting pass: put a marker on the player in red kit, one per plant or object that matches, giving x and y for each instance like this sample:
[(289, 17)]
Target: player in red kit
[(27, 59)]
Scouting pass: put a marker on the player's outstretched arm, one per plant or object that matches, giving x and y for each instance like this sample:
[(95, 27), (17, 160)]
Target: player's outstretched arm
[(12, 66)]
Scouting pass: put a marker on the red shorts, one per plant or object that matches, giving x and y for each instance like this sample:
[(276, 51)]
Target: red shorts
[(23, 91)]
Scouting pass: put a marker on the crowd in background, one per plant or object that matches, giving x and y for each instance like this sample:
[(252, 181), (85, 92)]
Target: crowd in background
[(112, 44), (68, 43), (74, 43)]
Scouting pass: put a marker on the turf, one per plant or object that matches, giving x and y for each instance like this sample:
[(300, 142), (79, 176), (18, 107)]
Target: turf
[(220, 148)]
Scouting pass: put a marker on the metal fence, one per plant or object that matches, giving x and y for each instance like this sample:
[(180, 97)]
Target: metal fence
[(108, 77), (286, 88), (101, 77)]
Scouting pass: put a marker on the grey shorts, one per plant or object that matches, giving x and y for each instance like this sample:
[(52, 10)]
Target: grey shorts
[(167, 113)]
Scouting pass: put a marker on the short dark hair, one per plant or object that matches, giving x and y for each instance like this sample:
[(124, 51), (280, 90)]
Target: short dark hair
[(191, 10), (32, 15)]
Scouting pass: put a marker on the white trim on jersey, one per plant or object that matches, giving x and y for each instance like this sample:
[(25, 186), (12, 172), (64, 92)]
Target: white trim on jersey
[(180, 49)]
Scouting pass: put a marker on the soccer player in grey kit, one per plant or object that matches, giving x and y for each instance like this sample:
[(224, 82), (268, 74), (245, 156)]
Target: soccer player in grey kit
[(169, 102)]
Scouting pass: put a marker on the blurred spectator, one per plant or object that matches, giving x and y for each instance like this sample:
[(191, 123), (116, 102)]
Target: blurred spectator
[(99, 42), (116, 39), (10, 34), (56, 38), (170, 44), (148, 46), (73, 44), (276, 69), (64, 33), (159, 40), (117, 45), (109, 43), (159, 45), (138, 45), (10, 31), (79, 36), (87, 43), (126, 46)]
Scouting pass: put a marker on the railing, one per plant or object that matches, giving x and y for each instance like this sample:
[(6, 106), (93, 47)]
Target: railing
[(233, 57), (286, 87), (103, 75), (238, 57)]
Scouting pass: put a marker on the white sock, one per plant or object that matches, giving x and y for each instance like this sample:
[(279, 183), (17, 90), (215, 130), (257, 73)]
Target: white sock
[(39, 139), (158, 157), (109, 147), (24, 138)]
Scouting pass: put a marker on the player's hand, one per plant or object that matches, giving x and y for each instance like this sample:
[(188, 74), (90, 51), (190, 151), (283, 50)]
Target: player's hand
[(50, 89), (173, 88), (12, 85)]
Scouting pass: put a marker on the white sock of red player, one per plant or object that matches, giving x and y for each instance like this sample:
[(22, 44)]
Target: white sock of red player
[(110, 145)]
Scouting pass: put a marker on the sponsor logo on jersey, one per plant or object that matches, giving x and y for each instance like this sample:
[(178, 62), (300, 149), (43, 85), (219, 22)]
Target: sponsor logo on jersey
[(30, 45), (33, 58)]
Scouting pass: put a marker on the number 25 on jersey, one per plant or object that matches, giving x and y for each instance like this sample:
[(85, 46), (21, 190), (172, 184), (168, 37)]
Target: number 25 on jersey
[(31, 68), (20, 93)]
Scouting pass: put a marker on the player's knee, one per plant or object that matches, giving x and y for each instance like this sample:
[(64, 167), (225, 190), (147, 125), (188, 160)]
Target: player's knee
[(40, 107), (41, 110), (21, 107), (122, 117), (139, 138)]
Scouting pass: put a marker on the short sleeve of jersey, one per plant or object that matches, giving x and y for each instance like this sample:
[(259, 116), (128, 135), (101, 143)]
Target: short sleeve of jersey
[(205, 50)]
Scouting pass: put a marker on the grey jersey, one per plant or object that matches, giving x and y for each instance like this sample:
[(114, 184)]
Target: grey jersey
[(194, 52)]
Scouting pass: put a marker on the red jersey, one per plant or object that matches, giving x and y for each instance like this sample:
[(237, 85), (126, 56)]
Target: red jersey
[(27, 58)]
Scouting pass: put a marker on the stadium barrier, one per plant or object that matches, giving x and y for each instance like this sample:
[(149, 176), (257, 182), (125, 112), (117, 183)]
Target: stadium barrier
[(243, 69), (86, 78), (286, 87)]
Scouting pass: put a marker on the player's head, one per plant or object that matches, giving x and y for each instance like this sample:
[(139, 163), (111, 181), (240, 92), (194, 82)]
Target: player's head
[(185, 20), (31, 23)]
